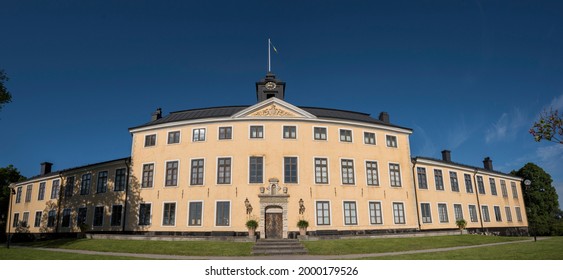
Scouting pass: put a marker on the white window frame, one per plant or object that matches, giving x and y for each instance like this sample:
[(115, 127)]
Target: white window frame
[(340, 135), (153, 174), (476, 213), (377, 171), (283, 169), (447, 213), (111, 215), (94, 216), (329, 212), (190, 172), (139, 216), (429, 209), (217, 171), (249, 135), (199, 134), (315, 170), (396, 141), (145, 140), (320, 140), (162, 214), (296, 132), (389, 173), (353, 172), (202, 212), (230, 214), (380, 208), (263, 169), (219, 133), (168, 137), (374, 138), (404, 212), (355, 213)]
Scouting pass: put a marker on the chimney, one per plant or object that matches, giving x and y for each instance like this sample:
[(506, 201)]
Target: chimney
[(488, 164), (46, 168), (157, 114), (384, 117), (446, 155)]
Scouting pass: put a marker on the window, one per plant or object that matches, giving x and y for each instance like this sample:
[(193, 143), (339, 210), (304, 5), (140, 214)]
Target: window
[(320, 133), (51, 218), (399, 212), (514, 190), (16, 221), (102, 184), (41, 193), (116, 213), (454, 182), (169, 214), (223, 215), (375, 215), (148, 173), (198, 135), (503, 188), (443, 212), (28, 193), (480, 185), (85, 184), (323, 213), (98, 216), (38, 216), (173, 137), (395, 175), (144, 214), (119, 184), (171, 174), (256, 170), (195, 213), (225, 133), (485, 210), (369, 138), (347, 167), (372, 174), (256, 132), (150, 140), (25, 219), (69, 187), (438, 179), (508, 214), (290, 170), (468, 184), (350, 217), (321, 171), (19, 195), (518, 214), (345, 135), (81, 217), (391, 141), (224, 171), (289, 132), (426, 214), (493, 186), (55, 188), (197, 172), (66, 218), (473, 213), (458, 212), (498, 216), (421, 172)]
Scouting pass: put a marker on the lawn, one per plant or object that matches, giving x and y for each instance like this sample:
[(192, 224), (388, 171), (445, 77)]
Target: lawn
[(185, 248), (383, 245), (548, 249), (31, 254)]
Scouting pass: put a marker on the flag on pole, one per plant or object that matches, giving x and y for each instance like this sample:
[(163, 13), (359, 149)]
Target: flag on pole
[(274, 48)]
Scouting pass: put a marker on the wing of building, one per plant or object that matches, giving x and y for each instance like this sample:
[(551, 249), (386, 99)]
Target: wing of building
[(206, 172)]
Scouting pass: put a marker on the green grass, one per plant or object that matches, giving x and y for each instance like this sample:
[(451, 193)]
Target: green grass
[(184, 248), (383, 245), (31, 254), (548, 249)]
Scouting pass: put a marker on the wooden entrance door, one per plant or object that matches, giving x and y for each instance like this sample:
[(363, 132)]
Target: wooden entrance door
[(274, 225)]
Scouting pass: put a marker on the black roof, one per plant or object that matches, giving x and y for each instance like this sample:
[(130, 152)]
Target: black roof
[(71, 169), (221, 112), (465, 166)]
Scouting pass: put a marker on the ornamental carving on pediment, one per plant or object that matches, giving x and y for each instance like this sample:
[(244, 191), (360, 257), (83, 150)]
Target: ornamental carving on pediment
[(273, 111)]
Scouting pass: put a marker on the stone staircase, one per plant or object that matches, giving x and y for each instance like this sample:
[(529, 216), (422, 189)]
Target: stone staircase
[(278, 247)]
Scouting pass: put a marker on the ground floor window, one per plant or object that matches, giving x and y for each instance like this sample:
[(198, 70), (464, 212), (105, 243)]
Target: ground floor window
[(323, 213), (51, 218), (16, 220), (350, 217), (169, 214), (375, 213), (223, 215), (66, 218), (485, 210), (508, 214), (144, 214), (473, 213), (38, 216), (99, 216), (399, 212), (116, 214), (458, 212), (195, 209), (426, 214), (443, 212), (498, 215), (81, 217), (518, 214)]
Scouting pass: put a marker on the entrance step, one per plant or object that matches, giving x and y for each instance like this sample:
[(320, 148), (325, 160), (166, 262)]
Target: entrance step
[(278, 247)]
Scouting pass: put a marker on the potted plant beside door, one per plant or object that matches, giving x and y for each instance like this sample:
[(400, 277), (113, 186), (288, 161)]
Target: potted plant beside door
[(302, 225), (251, 225)]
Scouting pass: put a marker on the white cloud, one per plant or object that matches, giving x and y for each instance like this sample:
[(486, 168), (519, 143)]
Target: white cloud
[(459, 134), (507, 126)]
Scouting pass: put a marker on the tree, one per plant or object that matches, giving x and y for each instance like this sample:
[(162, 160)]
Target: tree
[(542, 205), (549, 127), (8, 175), (461, 224), (5, 96)]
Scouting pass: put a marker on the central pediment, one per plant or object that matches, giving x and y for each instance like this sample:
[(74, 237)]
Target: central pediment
[(273, 108)]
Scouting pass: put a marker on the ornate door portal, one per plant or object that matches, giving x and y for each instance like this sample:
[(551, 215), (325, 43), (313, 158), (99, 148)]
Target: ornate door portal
[(274, 225)]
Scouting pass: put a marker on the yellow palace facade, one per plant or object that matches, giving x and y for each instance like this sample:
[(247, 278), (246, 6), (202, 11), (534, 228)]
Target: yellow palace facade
[(205, 172)]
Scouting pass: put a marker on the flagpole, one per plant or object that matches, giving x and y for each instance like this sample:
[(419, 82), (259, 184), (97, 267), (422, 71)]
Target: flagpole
[(269, 69)]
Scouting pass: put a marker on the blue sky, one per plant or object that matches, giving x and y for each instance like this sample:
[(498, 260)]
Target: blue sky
[(469, 76)]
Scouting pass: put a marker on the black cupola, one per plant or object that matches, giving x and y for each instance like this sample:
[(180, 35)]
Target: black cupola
[(270, 87)]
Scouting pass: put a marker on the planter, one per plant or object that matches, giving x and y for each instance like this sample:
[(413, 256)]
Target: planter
[(251, 232), (303, 231)]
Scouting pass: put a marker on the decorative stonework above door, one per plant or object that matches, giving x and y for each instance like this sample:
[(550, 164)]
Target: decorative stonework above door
[(272, 111)]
